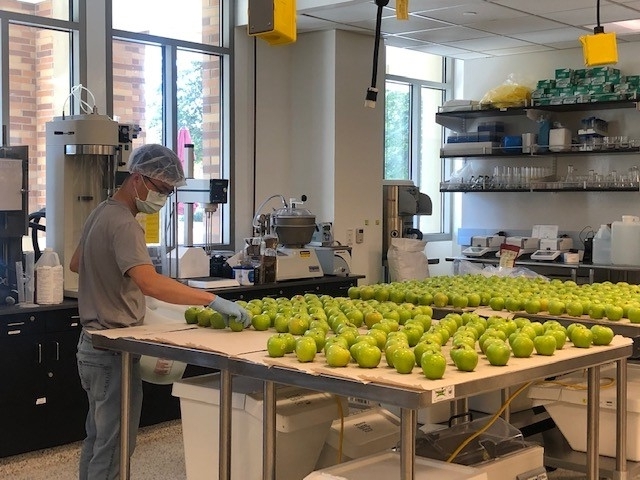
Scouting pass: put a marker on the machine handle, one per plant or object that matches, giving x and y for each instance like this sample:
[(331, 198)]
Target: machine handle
[(57, 351), (414, 231), (39, 353)]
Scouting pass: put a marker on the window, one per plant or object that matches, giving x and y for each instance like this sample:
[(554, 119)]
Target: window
[(415, 88), (170, 78), (39, 81)]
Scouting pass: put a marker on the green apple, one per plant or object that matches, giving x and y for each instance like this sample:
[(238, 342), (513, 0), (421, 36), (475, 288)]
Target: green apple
[(582, 337), (522, 346), (298, 324), (556, 307), (236, 325), (545, 344), (424, 346), (191, 314), (306, 349), (335, 340), (464, 357), (281, 323), (497, 303), (602, 335), (513, 304), (369, 356), (354, 292), (498, 353), (204, 316), (574, 309), (217, 321), (613, 312), (532, 306), (261, 322), (337, 355), (560, 335), (440, 299), (433, 365), (319, 335), (425, 299), (597, 311), (277, 345), (474, 299), (403, 360), (633, 314)]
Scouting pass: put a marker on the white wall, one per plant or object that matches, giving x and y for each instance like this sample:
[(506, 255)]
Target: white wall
[(314, 135), (571, 211)]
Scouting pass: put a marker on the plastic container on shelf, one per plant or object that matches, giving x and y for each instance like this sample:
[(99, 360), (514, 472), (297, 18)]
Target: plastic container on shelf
[(387, 465), (625, 241), (565, 399), (365, 433), (602, 246), (303, 421), (49, 278)]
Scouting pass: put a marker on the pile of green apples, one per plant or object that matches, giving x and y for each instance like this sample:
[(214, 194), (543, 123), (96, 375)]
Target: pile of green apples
[(532, 295), (347, 330)]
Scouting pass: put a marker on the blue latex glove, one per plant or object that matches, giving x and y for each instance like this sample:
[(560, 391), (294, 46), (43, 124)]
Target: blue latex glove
[(230, 309)]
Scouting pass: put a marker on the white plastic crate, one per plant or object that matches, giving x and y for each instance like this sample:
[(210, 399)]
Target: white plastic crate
[(303, 420), (384, 466), (566, 402), (365, 433)]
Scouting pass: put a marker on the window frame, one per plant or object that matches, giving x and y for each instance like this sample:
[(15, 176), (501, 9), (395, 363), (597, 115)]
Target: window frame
[(170, 48), (447, 88)]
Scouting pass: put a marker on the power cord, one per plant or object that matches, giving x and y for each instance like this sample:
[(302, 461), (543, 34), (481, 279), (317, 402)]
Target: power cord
[(372, 91), (491, 421)]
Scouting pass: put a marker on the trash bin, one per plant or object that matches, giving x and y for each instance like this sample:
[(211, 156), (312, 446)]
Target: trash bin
[(303, 420), (364, 433)]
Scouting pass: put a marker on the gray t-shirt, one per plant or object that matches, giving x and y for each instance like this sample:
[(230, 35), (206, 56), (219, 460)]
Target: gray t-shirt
[(112, 242)]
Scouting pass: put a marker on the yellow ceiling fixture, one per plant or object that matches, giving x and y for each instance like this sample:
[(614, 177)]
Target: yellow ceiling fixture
[(600, 48), (402, 9), (274, 21)]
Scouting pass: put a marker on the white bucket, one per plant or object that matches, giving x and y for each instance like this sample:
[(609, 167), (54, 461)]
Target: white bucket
[(625, 241)]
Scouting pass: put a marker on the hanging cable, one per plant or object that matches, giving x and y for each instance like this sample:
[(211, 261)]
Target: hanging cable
[(372, 91)]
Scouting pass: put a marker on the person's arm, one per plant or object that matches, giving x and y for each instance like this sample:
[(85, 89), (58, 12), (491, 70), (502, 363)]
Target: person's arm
[(167, 289), (74, 264)]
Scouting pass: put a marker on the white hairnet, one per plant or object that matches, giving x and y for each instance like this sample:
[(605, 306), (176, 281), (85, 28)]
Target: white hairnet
[(157, 162)]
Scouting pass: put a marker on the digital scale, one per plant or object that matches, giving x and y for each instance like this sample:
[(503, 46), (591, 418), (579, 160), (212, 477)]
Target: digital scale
[(526, 245), (295, 263), (482, 245), (552, 248)]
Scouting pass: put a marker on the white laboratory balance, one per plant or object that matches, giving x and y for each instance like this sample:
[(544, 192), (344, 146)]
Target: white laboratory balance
[(527, 245), (552, 248), (484, 245), (294, 227)]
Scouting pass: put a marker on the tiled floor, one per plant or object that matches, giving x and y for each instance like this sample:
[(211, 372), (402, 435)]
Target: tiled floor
[(159, 455)]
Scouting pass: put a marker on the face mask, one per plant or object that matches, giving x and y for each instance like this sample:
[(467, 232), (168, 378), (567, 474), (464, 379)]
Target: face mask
[(154, 202)]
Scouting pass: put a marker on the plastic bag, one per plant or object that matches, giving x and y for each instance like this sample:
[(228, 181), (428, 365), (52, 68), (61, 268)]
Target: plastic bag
[(512, 93), (407, 260), (465, 268)]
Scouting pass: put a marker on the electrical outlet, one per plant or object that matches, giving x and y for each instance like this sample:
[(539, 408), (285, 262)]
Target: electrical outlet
[(350, 237), (360, 235)]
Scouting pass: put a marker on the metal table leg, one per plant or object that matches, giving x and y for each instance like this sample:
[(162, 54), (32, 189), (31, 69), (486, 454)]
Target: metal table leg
[(593, 422), (224, 434), (408, 421), (125, 414), (621, 421), (269, 432)]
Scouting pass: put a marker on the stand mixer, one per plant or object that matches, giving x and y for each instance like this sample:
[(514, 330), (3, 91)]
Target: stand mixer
[(294, 227)]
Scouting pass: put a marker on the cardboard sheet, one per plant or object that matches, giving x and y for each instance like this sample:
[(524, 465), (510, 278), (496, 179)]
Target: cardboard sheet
[(416, 380)]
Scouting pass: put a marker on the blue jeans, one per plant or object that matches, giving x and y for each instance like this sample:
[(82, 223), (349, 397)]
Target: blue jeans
[(100, 373)]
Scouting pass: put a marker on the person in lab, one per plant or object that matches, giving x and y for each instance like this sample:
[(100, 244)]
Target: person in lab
[(115, 274)]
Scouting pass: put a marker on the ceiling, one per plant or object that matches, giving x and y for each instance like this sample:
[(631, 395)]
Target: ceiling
[(468, 29)]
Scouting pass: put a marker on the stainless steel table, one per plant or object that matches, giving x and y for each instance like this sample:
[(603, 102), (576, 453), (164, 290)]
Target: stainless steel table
[(409, 392)]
